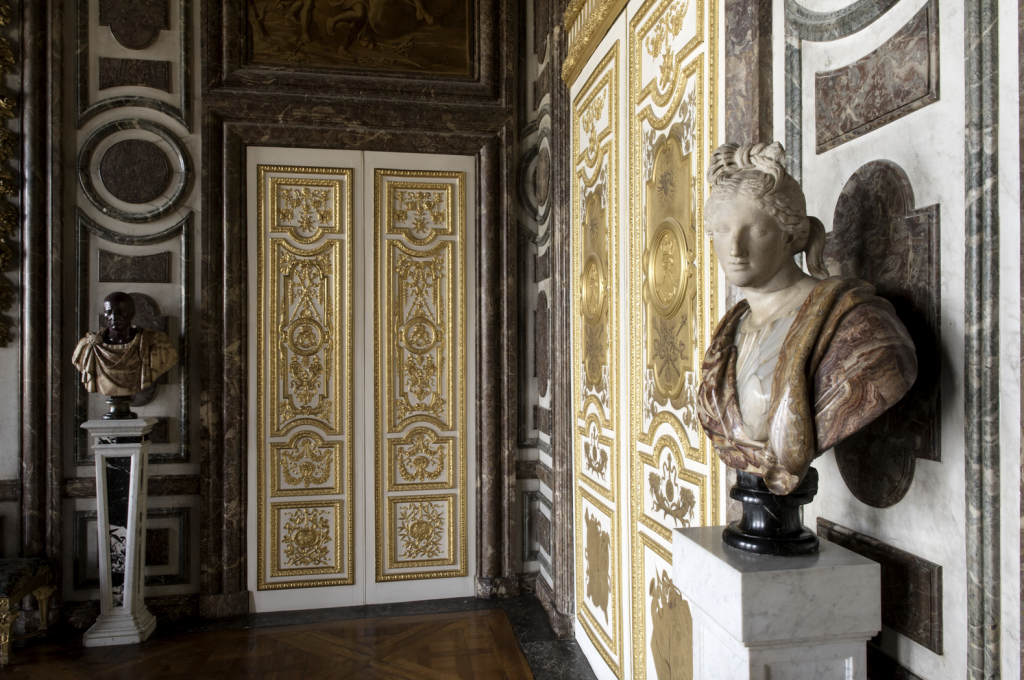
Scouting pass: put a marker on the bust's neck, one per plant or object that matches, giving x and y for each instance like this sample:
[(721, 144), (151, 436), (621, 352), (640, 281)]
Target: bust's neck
[(112, 337), (778, 297)]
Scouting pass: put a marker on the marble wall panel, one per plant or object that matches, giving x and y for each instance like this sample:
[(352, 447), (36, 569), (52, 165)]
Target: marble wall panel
[(911, 586), (894, 80), (150, 73), (118, 268), (880, 236)]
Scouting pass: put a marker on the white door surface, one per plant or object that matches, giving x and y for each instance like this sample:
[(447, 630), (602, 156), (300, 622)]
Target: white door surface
[(361, 348)]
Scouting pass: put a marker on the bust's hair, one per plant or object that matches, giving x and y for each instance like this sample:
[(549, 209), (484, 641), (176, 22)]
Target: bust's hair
[(757, 172)]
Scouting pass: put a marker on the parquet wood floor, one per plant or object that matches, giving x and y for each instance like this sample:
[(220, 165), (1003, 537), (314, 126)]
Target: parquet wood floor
[(475, 645)]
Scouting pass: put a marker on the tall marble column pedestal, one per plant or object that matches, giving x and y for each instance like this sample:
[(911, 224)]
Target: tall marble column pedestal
[(121, 448), (784, 618)]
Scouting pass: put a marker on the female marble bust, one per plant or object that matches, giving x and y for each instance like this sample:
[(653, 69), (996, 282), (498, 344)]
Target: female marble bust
[(805, 360)]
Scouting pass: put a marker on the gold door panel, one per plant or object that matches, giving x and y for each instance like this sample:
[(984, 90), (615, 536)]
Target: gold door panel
[(595, 234), (420, 374), (304, 383)]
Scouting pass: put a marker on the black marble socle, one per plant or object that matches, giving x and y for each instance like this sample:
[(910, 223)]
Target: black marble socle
[(771, 524)]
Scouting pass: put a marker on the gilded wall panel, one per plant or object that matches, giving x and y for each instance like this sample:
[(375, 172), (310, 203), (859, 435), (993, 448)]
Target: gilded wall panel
[(420, 374), (673, 282), (304, 378), (596, 204)]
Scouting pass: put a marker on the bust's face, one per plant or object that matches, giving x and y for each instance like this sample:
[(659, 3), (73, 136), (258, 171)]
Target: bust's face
[(749, 243), (118, 315)]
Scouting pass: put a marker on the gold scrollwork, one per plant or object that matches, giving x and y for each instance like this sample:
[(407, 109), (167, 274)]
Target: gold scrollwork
[(419, 374), (307, 208), (306, 538), (420, 210), (421, 460), (668, 496), (303, 377), (420, 334), (305, 466), (305, 306)]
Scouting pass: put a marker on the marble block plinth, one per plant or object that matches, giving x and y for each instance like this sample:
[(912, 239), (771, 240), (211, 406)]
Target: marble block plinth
[(784, 618), (121, 448)]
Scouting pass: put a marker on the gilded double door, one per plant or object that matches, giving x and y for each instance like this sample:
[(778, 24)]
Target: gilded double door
[(359, 352)]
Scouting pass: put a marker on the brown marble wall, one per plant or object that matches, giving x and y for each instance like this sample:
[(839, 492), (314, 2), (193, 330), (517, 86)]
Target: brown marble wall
[(899, 77), (879, 235), (748, 71)]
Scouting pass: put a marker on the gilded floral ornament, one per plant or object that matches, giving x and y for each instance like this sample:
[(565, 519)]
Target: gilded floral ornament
[(423, 460), (595, 458), (420, 529), (308, 208), (307, 533), (422, 205), (598, 562), (671, 630), (659, 42), (670, 497), (307, 464)]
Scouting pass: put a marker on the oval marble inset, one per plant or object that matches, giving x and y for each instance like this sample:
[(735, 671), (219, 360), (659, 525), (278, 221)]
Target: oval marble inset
[(135, 171)]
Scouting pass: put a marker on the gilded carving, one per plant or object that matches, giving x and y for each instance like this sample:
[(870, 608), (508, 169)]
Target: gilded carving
[(671, 630), (420, 210), (395, 36), (422, 457), (307, 539), (303, 377), (420, 528), (421, 334), (306, 464), (672, 105), (595, 457), (668, 496), (304, 336), (420, 373), (597, 554), (307, 208), (307, 534)]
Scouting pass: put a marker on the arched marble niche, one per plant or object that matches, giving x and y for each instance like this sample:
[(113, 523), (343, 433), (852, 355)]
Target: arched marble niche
[(880, 236)]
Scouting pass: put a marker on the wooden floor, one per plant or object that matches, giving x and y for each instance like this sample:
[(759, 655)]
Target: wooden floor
[(462, 645)]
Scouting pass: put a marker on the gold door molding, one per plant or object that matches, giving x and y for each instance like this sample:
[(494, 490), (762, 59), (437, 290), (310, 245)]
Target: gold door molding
[(595, 234), (673, 284), (420, 346), (304, 388)]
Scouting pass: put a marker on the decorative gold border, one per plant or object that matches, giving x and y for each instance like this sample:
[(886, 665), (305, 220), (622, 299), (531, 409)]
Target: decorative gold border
[(585, 35), (275, 478), (277, 571), (458, 367), (405, 232), (277, 228), (261, 324), (606, 75), (394, 562), (449, 480)]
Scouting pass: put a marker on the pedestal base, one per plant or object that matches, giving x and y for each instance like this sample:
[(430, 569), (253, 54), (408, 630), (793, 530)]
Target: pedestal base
[(756, 616), (120, 628)]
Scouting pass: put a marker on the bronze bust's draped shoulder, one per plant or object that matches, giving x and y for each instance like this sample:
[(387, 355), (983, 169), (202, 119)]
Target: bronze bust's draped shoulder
[(799, 365), (122, 359)]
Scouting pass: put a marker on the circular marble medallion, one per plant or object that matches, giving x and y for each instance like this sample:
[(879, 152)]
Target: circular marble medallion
[(135, 171)]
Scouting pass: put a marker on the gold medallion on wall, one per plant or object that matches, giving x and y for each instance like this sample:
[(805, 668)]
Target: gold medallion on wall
[(595, 228), (304, 380), (674, 482), (420, 374)]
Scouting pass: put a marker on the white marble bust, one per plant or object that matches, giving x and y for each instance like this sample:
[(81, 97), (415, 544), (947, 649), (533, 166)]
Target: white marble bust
[(805, 360)]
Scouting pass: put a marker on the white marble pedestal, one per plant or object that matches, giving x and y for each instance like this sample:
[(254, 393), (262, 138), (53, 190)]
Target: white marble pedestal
[(127, 621), (777, 618)]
